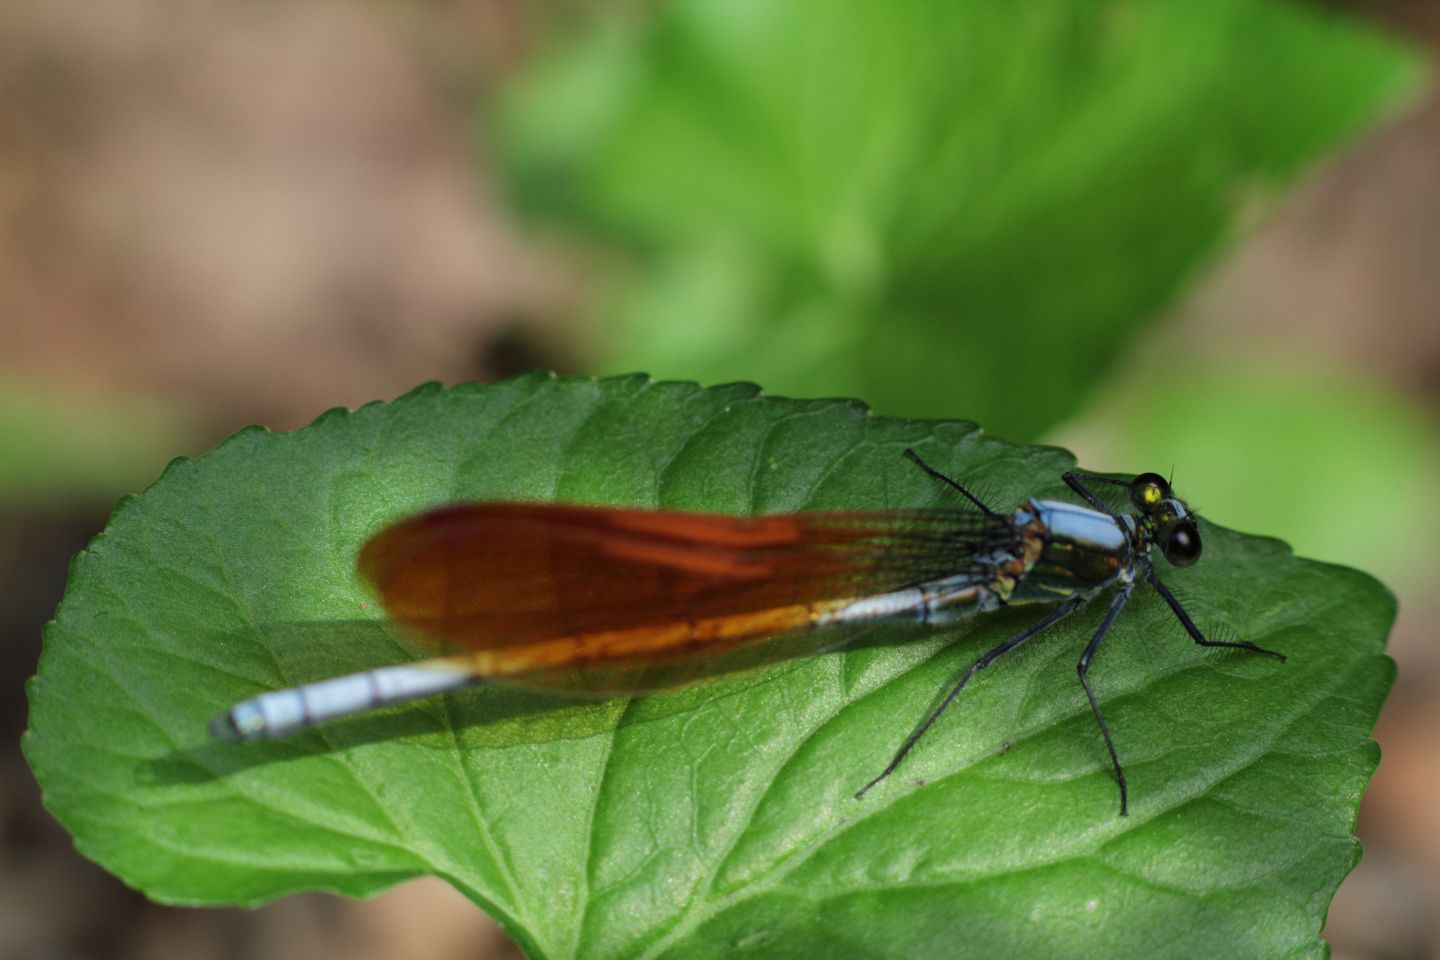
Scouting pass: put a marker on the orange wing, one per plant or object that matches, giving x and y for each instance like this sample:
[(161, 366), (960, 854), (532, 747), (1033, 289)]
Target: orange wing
[(528, 587)]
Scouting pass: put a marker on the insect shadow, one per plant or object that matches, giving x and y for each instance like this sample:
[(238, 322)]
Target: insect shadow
[(558, 705)]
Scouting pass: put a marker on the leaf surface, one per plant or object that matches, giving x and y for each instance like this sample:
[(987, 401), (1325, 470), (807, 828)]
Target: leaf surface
[(719, 819)]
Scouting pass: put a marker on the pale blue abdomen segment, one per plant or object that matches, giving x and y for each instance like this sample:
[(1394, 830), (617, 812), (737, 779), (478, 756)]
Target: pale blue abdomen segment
[(932, 602), (280, 712)]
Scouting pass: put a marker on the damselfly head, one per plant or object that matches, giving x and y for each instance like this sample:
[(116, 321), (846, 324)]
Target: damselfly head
[(1176, 531), (1167, 516)]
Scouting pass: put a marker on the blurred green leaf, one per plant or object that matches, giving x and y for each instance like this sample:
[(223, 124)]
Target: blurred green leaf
[(58, 444), (954, 205), (718, 820)]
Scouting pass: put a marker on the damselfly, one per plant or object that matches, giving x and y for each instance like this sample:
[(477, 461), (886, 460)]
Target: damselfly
[(529, 591)]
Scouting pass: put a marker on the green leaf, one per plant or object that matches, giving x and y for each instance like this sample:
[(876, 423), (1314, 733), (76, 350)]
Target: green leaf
[(62, 444), (718, 820), (954, 205)]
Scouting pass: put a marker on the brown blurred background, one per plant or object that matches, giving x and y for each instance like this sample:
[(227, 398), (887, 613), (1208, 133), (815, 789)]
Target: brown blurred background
[(218, 214)]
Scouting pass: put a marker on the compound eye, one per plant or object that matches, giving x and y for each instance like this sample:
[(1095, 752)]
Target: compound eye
[(1148, 489), (1182, 546)]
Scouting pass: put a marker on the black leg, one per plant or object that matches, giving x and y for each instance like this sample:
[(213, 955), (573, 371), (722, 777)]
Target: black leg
[(1083, 667), (911, 454), (1076, 482), (1049, 619), (1193, 630), (1097, 478)]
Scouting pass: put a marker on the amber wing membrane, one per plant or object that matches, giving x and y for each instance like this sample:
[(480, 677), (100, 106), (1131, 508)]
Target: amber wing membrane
[(528, 587)]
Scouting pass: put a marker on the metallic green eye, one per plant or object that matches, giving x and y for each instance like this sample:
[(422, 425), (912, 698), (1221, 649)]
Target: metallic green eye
[(1149, 489)]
